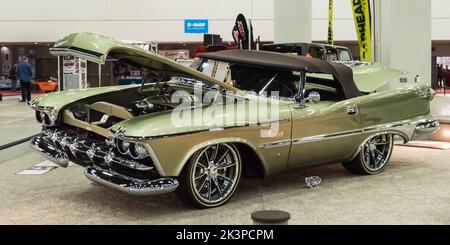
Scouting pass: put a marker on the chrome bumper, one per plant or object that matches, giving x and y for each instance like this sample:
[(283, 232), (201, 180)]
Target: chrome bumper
[(425, 129), (129, 185), (46, 148), (99, 170)]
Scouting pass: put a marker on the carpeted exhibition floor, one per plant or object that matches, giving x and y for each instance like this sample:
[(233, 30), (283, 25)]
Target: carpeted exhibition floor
[(413, 190)]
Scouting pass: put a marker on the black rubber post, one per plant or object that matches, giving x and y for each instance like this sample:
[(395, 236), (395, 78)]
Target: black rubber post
[(270, 217), (17, 142)]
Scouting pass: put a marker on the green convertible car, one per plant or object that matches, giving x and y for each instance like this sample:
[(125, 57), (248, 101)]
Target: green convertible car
[(196, 130)]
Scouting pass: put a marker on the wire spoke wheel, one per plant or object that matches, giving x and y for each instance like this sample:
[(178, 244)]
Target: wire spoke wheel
[(216, 172), (376, 152), (373, 156)]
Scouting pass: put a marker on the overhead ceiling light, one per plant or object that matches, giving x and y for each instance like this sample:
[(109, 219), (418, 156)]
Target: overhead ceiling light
[(447, 133)]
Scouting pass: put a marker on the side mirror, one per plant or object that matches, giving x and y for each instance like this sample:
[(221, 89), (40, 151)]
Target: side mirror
[(314, 97)]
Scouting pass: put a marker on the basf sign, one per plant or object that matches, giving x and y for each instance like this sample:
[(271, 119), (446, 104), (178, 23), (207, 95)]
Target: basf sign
[(196, 26)]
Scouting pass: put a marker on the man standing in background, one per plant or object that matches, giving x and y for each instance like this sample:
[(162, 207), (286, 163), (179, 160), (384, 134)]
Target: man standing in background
[(25, 73)]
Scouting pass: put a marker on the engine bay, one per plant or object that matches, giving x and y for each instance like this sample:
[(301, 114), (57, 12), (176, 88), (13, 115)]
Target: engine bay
[(103, 112)]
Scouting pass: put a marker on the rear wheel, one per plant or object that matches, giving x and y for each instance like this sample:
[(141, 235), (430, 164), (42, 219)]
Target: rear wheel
[(211, 176), (373, 157)]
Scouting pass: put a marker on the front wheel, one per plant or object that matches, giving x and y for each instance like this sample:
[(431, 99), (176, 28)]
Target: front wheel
[(211, 176), (373, 157)]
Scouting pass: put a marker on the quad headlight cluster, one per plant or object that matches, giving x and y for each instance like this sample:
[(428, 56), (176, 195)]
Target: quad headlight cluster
[(135, 150), (46, 118)]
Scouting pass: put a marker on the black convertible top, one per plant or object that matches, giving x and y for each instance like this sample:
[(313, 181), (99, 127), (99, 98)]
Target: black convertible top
[(273, 60)]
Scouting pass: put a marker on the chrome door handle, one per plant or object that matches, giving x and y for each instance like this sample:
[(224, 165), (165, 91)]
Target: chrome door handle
[(352, 110)]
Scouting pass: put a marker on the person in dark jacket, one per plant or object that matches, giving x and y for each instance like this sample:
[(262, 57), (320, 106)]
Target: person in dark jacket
[(13, 77), (25, 74)]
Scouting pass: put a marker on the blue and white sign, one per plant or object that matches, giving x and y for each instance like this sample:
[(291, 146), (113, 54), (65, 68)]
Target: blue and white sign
[(196, 26)]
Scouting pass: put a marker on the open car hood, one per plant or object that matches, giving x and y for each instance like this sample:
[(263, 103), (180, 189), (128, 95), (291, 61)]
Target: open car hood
[(97, 48), (371, 76)]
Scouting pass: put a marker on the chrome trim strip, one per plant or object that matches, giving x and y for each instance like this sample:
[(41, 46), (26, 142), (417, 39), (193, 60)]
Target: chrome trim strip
[(41, 108), (70, 50), (276, 144), (414, 131), (311, 139), (396, 125), (325, 137), (385, 126), (407, 129), (155, 159), (136, 139), (144, 138)]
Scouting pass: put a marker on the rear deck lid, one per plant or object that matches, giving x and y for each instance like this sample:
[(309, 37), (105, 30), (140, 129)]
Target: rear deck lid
[(371, 76)]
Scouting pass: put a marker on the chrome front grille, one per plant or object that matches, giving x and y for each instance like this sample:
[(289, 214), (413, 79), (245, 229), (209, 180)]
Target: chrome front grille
[(90, 151)]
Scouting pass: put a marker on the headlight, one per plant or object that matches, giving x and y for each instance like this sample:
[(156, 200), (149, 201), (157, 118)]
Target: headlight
[(41, 117), (46, 117), (123, 147), (135, 150), (138, 151)]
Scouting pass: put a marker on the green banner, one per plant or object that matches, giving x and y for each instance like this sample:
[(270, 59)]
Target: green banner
[(362, 17), (330, 23)]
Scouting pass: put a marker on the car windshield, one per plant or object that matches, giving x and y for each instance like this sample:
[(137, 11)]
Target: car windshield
[(257, 80), (316, 52), (344, 55), (331, 55)]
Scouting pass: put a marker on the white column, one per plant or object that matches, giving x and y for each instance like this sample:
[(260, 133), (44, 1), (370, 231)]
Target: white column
[(292, 21), (403, 39)]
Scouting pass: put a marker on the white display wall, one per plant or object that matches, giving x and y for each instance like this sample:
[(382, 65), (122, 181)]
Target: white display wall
[(148, 20)]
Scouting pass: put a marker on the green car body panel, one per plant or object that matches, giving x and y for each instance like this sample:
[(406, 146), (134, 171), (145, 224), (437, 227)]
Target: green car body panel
[(97, 48), (310, 134), (58, 100)]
